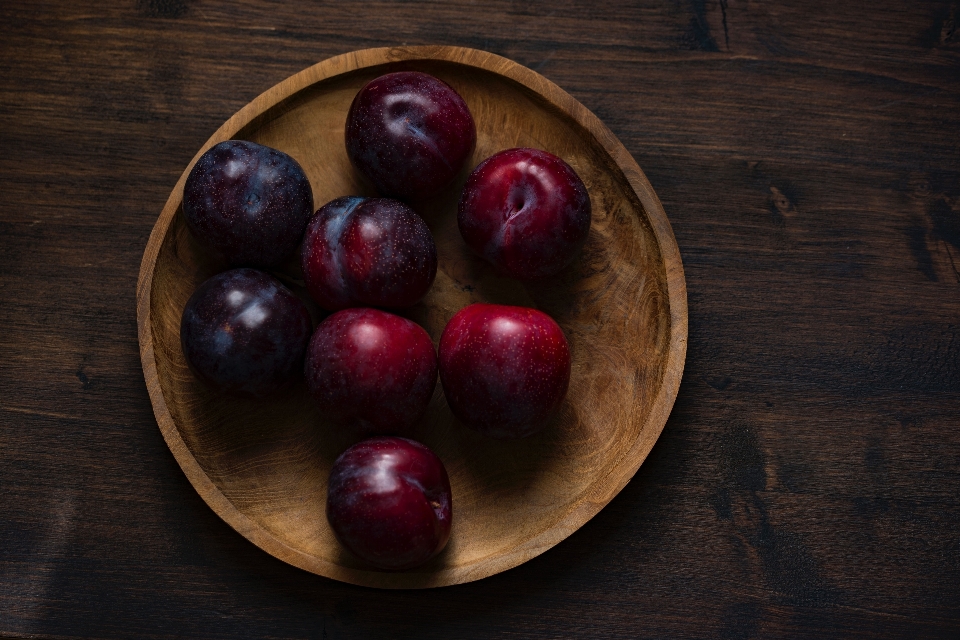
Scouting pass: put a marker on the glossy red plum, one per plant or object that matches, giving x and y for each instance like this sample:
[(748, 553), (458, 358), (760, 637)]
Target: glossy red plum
[(367, 252), (244, 333), (247, 202), (526, 212), (389, 502), (409, 133), (371, 371), (504, 370)]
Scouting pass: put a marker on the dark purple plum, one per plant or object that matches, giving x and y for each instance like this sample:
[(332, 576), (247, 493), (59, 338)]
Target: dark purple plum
[(370, 371), (248, 203), (410, 134), (526, 211), (504, 370), (367, 252), (244, 333), (389, 502)]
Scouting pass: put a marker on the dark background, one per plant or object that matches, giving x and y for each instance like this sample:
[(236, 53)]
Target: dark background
[(808, 157)]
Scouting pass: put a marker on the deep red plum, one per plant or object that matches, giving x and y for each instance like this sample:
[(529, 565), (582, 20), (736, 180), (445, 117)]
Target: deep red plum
[(504, 370), (389, 502), (367, 252), (247, 202), (244, 333), (371, 371), (409, 133), (526, 212)]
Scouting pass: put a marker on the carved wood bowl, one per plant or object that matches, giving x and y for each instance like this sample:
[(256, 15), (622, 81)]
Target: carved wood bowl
[(263, 466)]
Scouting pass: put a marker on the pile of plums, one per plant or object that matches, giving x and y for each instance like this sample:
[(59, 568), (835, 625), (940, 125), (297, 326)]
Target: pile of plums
[(504, 369)]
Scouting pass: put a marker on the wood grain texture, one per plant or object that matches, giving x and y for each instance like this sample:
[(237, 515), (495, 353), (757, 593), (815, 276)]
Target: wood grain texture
[(806, 482), (263, 466)]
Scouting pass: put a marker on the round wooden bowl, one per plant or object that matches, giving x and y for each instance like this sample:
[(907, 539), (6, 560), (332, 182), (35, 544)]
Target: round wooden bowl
[(263, 466)]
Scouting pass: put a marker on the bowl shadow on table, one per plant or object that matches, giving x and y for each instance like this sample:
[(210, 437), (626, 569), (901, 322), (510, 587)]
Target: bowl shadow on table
[(582, 559)]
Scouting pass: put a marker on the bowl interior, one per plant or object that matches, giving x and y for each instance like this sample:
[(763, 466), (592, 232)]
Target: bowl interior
[(512, 500)]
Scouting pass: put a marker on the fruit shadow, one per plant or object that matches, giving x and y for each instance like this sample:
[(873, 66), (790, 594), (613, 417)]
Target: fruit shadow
[(279, 445), (511, 466), (492, 477)]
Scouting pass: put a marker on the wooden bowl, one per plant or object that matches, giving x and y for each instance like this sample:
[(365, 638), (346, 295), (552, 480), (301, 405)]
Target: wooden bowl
[(263, 466)]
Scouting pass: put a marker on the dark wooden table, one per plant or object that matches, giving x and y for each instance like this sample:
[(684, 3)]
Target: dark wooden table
[(806, 484)]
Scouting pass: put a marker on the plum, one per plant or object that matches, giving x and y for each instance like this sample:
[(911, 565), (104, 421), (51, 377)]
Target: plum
[(504, 369), (389, 502), (525, 211), (410, 134), (367, 252), (248, 203), (370, 371), (244, 333)]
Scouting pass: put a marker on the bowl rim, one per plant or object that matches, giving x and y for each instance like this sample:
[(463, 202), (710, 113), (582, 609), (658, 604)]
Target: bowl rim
[(604, 488)]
